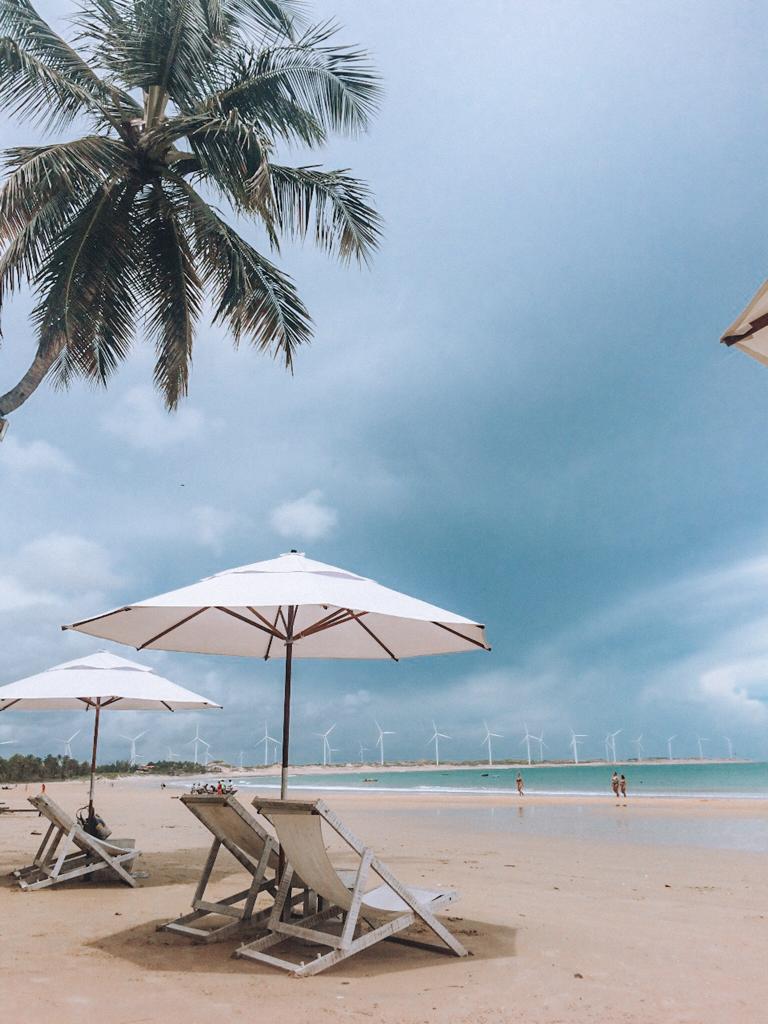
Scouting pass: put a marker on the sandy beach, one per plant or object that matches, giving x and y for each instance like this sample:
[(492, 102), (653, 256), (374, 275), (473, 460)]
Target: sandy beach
[(561, 929)]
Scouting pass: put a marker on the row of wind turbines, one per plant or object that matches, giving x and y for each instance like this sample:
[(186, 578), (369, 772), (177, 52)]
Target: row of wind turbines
[(611, 757), (202, 748)]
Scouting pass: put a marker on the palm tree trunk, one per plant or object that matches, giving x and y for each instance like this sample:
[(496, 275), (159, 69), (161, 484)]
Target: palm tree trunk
[(41, 364)]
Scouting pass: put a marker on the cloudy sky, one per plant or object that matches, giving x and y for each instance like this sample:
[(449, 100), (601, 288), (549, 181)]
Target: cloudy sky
[(520, 412)]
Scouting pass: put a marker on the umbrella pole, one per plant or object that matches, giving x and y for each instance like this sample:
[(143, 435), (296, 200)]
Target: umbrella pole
[(287, 702), (93, 758)]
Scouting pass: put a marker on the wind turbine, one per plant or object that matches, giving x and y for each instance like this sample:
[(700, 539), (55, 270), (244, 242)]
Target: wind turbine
[(436, 737), (527, 741), (6, 743), (132, 740), (702, 739), (172, 755), (331, 752), (487, 740), (607, 747), (612, 737), (207, 754), (380, 740), (576, 738), (669, 747), (198, 739), (542, 744), (68, 744), (362, 753), (639, 746), (730, 748), (326, 745), (266, 739), (242, 756)]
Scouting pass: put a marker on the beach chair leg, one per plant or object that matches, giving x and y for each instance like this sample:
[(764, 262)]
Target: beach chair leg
[(210, 861), (350, 921), (257, 882), (419, 909), (280, 899)]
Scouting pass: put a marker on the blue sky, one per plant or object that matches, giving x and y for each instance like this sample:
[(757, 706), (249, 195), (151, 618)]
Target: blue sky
[(520, 412)]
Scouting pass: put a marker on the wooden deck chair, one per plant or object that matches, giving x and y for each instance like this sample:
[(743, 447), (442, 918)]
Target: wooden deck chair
[(235, 829), (53, 863), (367, 915)]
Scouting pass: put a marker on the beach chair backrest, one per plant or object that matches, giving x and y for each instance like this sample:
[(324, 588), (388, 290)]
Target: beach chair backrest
[(301, 839), (51, 810), (227, 819)]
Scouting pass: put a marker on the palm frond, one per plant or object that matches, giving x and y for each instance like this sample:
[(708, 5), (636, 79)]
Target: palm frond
[(264, 101), (229, 154), (164, 45), (335, 203), (277, 16), (35, 174), (85, 315), (253, 298), (36, 53), (336, 85), (172, 289), (42, 94)]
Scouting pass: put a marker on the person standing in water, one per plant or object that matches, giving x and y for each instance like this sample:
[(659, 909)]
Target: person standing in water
[(519, 783), (615, 783), (623, 786)]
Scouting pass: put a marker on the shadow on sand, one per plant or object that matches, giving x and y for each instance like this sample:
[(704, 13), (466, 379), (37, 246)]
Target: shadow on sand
[(151, 950)]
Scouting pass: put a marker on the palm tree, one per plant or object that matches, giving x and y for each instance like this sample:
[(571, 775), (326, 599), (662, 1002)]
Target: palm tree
[(186, 104)]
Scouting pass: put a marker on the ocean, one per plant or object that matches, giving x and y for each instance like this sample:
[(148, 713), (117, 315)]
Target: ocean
[(669, 779)]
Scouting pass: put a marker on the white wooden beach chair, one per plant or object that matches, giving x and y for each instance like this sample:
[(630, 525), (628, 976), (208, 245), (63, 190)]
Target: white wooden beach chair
[(367, 916), (236, 830), (53, 863)]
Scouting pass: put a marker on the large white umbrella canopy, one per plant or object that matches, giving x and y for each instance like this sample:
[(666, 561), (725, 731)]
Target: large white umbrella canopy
[(749, 331), (289, 607), (99, 682)]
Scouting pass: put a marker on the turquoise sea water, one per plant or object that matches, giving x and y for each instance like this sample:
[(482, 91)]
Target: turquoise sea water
[(736, 780)]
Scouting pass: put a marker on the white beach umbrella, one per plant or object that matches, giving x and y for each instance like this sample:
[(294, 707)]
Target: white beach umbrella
[(288, 607), (99, 682), (749, 331)]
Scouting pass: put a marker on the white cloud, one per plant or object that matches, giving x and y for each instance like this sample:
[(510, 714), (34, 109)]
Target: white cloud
[(139, 418), (33, 457), (306, 518), (66, 563), (210, 525), (15, 596), (357, 701)]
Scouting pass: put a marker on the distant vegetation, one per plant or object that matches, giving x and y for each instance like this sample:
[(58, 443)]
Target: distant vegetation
[(30, 768)]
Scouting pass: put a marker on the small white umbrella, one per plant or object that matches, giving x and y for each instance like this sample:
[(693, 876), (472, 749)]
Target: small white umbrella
[(288, 607), (100, 682), (749, 331)]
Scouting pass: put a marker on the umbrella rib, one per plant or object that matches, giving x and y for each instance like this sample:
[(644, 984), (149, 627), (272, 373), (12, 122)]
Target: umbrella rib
[(96, 618), (269, 644), (90, 703), (357, 618), (754, 326), (272, 628), (248, 622), (337, 618), (10, 704), (469, 639), (154, 639)]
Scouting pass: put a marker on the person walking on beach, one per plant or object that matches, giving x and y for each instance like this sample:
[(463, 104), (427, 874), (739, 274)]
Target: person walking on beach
[(623, 786), (615, 783), (519, 783)]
